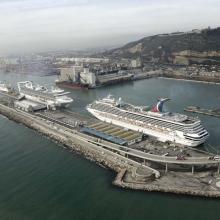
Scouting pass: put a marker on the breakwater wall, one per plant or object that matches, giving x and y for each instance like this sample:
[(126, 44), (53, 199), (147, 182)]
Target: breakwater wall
[(201, 184), (76, 145)]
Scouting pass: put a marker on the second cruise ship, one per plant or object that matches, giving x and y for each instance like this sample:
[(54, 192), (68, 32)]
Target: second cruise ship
[(52, 98), (164, 126)]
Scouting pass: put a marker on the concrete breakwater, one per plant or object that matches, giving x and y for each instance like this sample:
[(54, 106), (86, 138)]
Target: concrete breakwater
[(131, 174), (43, 128)]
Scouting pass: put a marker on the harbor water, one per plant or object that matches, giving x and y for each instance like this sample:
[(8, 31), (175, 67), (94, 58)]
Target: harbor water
[(42, 180)]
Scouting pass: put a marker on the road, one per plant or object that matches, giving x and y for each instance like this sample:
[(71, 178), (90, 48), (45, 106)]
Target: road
[(133, 152)]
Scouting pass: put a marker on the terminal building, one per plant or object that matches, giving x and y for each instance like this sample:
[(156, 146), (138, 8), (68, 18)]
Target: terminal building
[(112, 133)]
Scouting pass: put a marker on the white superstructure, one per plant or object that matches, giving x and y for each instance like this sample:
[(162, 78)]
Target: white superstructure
[(4, 87), (56, 90), (165, 126), (52, 99)]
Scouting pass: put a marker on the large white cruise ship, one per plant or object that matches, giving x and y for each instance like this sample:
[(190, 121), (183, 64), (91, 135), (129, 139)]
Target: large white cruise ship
[(165, 126), (52, 98)]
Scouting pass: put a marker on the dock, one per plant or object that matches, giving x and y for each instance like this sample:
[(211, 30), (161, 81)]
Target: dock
[(210, 112), (146, 165)]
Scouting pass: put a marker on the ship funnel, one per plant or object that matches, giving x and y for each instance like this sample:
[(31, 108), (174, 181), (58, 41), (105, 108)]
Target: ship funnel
[(159, 106)]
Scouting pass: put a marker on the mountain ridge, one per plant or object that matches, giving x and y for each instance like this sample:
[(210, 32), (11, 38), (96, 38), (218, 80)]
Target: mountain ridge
[(196, 46)]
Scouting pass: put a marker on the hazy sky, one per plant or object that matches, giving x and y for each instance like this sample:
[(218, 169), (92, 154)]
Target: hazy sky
[(40, 25)]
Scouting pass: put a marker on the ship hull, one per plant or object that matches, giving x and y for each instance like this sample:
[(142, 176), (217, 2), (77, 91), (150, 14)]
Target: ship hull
[(72, 85), (46, 102), (174, 137)]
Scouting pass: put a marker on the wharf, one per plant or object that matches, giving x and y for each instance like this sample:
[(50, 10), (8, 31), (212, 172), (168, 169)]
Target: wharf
[(147, 75), (142, 169), (195, 109)]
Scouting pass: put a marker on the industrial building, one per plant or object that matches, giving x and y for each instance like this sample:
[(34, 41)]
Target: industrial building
[(136, 63), (112, 78), (79, 76), (82, 60)]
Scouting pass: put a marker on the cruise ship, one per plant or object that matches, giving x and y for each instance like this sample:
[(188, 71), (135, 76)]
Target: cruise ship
[(164, 126), (52, 98)]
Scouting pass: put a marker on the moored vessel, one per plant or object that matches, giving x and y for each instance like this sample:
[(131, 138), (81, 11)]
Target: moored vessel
[(52, 98), (164, 126)]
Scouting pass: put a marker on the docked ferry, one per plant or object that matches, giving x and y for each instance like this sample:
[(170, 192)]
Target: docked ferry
[(54, 97), (164, 126)]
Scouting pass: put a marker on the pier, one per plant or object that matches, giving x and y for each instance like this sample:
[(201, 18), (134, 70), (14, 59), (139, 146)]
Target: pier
[(138, 166), (196, 109)]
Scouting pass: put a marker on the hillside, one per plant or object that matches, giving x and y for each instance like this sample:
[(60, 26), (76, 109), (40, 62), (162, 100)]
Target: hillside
[(197, 46)]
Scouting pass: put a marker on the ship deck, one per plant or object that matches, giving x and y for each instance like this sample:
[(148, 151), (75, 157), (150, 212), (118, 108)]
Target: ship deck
[(148, 117)]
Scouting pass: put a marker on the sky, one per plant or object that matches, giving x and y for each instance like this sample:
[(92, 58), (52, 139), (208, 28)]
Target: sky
[(28, 26)]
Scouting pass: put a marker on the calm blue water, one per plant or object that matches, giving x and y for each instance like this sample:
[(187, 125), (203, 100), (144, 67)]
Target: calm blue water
[(41, 180)]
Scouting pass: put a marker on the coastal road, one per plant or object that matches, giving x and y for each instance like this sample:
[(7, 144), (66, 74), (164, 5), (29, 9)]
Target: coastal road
[(133, 152), (153, 157)]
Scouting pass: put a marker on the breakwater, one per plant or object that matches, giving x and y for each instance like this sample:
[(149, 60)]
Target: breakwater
[(53, 134), (131, 174)]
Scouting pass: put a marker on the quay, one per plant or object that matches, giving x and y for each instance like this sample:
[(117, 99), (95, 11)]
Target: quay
[(196, 109), (141, 166)]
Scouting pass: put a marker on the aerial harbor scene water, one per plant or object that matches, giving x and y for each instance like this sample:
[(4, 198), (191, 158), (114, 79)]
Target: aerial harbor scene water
[(52, 176), (107, 112)]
